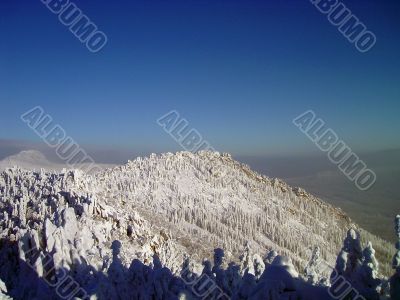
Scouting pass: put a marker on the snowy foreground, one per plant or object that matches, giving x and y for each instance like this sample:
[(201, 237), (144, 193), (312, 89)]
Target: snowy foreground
[(182, 226)]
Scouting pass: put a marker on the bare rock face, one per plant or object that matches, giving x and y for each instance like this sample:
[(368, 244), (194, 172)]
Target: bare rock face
[(141, 223)]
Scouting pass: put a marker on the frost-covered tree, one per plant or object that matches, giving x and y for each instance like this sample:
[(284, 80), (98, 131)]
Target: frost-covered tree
[(352, 246), (269, 257), (367, 281), (246, 262), (247, 285), (233, 279), (277, 279), (207, 270), (218, 270), (395, 279), (311, 270), (259, 266), (218, 259), (340, 266), (369, 259), (350, 256)]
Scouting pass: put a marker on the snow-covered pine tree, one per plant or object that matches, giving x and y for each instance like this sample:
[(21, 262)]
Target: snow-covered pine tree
[(367, 281), (246, 263), (350, 257), (259, 266), (311, 270), (352, 246), (233, 278), (340, 266), (269, 257), (395, 279)]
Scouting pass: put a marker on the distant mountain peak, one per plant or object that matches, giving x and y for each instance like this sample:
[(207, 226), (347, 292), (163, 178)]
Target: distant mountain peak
[(28, 156)]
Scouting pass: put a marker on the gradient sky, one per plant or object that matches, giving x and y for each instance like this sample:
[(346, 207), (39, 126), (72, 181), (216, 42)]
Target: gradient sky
[(239, 71)]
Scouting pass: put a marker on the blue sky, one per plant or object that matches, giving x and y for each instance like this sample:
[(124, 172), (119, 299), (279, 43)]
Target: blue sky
[(238, 71)]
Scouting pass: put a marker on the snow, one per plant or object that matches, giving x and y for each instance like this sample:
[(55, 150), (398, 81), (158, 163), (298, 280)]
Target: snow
[(129, 231)]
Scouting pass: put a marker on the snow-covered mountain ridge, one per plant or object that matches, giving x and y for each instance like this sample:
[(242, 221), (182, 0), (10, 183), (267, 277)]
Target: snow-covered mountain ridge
[(170, 205), (186, 189)]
